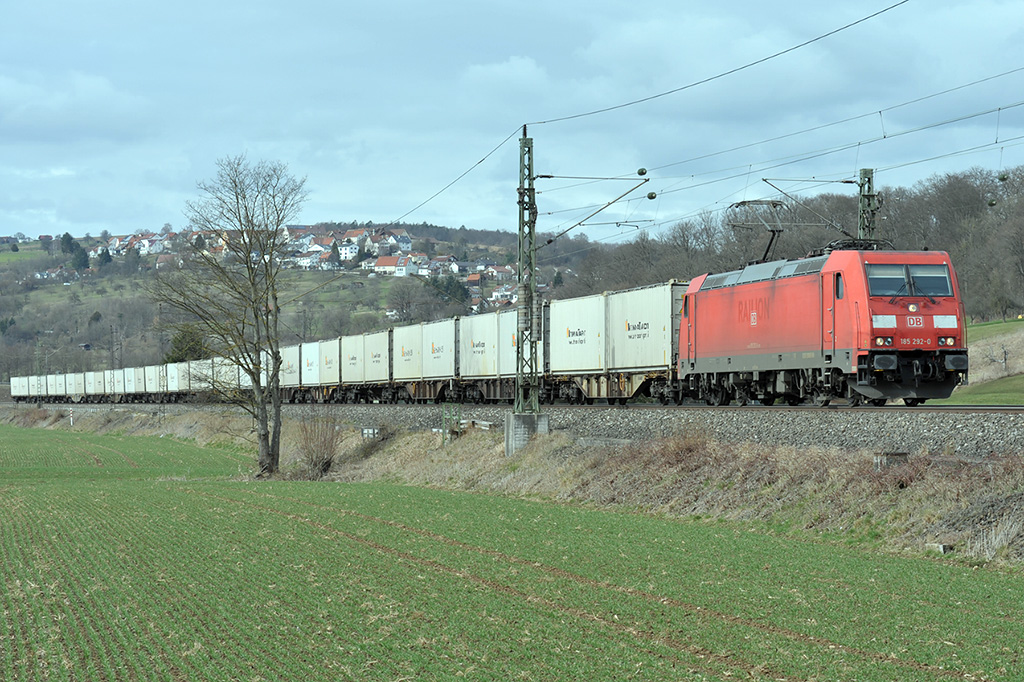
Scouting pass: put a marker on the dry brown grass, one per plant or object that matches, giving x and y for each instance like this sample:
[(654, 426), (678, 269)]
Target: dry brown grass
[(319, 440)]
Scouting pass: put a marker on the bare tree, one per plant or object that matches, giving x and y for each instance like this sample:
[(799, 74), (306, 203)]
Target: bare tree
[(229, 290)]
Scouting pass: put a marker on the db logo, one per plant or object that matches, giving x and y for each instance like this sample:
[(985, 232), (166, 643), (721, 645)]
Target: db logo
[(915, 321)]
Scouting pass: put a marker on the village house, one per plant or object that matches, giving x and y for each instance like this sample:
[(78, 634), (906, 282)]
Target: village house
[(385, 265), (500, 273), (507, 293), (406, 267), (348, 251)]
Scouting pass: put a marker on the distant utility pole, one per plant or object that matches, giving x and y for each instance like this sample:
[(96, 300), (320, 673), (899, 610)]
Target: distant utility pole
[(869, 204), (527, 398)]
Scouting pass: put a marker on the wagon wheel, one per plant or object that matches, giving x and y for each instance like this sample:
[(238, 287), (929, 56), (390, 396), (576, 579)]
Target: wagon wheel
[(769, 399), (878, 402), (913, 402)]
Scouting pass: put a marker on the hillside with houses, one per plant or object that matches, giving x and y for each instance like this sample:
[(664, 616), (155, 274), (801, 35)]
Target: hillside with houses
[(77, 303), (377, 251)]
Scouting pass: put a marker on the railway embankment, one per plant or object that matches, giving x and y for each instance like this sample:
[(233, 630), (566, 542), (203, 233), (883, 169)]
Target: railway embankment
[(801, 471)]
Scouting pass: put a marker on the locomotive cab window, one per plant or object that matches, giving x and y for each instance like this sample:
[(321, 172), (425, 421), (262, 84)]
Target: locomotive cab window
[(887, 280), (930, 280), (839, 285), (909, 280)]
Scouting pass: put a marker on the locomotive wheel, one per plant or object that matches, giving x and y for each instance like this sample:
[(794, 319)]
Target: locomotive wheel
[(913, 402), (821, 399), (769, 399), (718, 397)]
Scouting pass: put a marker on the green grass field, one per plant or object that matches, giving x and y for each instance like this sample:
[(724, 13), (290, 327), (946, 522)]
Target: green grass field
[(147, 558), (1005, 391), (987, 330)]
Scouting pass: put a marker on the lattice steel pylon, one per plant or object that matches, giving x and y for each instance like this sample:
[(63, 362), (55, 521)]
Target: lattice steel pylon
[(870, 204), (527, 398)]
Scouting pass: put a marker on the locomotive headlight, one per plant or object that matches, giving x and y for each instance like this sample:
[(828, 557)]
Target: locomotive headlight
[(883, 341), (912, 307)]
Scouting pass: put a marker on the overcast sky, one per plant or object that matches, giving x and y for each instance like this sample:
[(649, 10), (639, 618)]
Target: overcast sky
[(111, 111)]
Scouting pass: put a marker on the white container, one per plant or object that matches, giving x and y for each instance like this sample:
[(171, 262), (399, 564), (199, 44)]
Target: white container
[(508, 331), (19, 387), (290, 363), (177, 377), (54, 385), (94, 383), (109, 384), (200, 375), (330, 362), (156, 379), (134, 380), (439, 349), (478, 346), (309, 372), (225, 374), (79, 384), (352, 369), (36, 385), (377, 354), (407, 349), (116, 379), (639, 327), (577, 335)]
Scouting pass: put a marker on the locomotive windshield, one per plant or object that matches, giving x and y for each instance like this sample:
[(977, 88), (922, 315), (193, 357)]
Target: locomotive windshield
[(909, 280)]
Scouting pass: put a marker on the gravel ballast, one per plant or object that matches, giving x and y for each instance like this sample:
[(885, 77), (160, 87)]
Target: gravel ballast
[(963, 434)]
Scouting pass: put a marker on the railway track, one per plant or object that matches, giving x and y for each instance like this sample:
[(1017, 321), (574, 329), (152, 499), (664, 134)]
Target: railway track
[(968, 432)]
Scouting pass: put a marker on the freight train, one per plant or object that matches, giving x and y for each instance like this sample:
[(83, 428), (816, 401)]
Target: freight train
[(857, 324)]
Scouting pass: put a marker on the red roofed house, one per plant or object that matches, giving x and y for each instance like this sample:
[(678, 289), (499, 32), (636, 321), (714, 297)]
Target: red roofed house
[(386, 265)]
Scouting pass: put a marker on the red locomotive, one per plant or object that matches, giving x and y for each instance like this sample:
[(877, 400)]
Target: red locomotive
[(864, 325)]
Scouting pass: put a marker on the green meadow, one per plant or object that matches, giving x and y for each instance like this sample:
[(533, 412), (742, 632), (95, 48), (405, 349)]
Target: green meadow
[(127, 558)]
